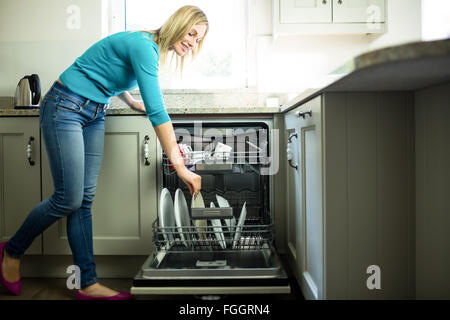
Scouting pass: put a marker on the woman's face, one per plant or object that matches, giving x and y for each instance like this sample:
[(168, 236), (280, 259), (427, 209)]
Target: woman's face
[(190, 40)]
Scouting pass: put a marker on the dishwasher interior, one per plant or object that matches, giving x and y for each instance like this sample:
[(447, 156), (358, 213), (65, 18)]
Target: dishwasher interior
[(227, 246)]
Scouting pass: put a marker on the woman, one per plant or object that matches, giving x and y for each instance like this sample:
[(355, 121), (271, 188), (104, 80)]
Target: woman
[(72, 123)]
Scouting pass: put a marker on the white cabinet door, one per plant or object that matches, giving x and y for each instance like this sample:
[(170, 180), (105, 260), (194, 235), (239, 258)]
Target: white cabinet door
[(359, 11), (305, 11), (312, 245), (125, 204), (20, 181), (308, 197)]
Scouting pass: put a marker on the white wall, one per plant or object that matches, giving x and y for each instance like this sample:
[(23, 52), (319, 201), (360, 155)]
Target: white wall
[(404, 24), (294, 63), (44, 37), (35, 38)]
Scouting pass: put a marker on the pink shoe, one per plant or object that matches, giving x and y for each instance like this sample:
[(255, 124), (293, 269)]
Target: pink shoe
[(120, 296), (13, 287)]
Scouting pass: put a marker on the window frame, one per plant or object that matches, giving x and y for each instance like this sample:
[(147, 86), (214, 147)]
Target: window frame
[(114, 20)]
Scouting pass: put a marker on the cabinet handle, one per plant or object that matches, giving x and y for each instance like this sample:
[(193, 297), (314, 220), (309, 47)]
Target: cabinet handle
[(289, 151), (324, 1), (304, 114), (30, 151), (146, 150), (339, 1)]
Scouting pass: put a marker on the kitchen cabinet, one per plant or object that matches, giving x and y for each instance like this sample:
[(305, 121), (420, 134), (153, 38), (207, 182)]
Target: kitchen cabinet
[(308, 17), (358, 11), (432, 159), (305, 11), (126, 199), (352, 195), (20, 183), (305, 214)]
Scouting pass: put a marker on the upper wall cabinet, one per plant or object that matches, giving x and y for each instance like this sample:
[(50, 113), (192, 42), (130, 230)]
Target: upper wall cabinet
[(305, 11), (358, 11), (309, 17)]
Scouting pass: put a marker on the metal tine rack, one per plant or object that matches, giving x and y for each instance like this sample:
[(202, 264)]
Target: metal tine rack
[(219, 161), (251, 236)]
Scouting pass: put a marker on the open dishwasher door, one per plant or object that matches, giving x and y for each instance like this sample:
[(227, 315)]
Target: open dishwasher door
[(202, 266), (227, 245)]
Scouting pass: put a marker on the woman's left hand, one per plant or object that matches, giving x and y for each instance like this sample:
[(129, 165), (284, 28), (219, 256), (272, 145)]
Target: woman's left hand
[(138, 106), (131, 102)]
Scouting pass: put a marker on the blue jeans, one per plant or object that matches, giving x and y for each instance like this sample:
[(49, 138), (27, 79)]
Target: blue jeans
[(73, 131)]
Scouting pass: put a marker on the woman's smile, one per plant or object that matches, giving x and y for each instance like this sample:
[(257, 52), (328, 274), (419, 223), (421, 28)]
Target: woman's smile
[(190, 40)]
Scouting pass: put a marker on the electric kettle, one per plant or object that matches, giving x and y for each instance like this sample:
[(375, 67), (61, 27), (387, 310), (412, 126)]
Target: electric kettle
[(28, 92)]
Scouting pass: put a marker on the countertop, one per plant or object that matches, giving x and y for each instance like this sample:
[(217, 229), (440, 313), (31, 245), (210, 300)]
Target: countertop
[(9, 112), (406, 67), (182, 102)]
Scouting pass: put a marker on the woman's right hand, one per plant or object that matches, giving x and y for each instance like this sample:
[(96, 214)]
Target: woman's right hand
[(191, 179)]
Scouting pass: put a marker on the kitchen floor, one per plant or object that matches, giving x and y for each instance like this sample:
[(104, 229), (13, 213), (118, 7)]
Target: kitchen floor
[(56, 289)]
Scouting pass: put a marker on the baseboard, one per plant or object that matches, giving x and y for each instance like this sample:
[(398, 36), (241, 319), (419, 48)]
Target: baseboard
[(309, 288)]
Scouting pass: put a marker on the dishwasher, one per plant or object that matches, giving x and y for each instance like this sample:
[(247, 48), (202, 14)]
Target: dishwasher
[(221, 250)]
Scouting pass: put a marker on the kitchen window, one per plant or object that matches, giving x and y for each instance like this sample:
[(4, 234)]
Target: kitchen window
[(224, 60)]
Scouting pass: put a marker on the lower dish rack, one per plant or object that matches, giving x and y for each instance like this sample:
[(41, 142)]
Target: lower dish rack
[(205, 250), (243, 261), (207, 236)]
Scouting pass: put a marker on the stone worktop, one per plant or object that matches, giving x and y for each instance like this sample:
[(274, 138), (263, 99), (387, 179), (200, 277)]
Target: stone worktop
[(172, 111), (184, 102)]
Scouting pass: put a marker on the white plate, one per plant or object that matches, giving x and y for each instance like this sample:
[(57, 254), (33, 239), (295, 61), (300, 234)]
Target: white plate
[(167, 215), (223, 203), (217, 227), (200, 224), (240, 225), (182, 218), (198, 202)]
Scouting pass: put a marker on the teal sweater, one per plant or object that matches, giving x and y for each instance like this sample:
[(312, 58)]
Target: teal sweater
[(118, 63)]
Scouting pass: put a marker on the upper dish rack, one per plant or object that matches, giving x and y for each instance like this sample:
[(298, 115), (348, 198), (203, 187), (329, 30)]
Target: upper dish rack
[(217, 162), (223, 150)]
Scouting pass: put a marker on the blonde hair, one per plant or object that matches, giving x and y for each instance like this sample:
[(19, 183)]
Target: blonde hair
[(175, 28)]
